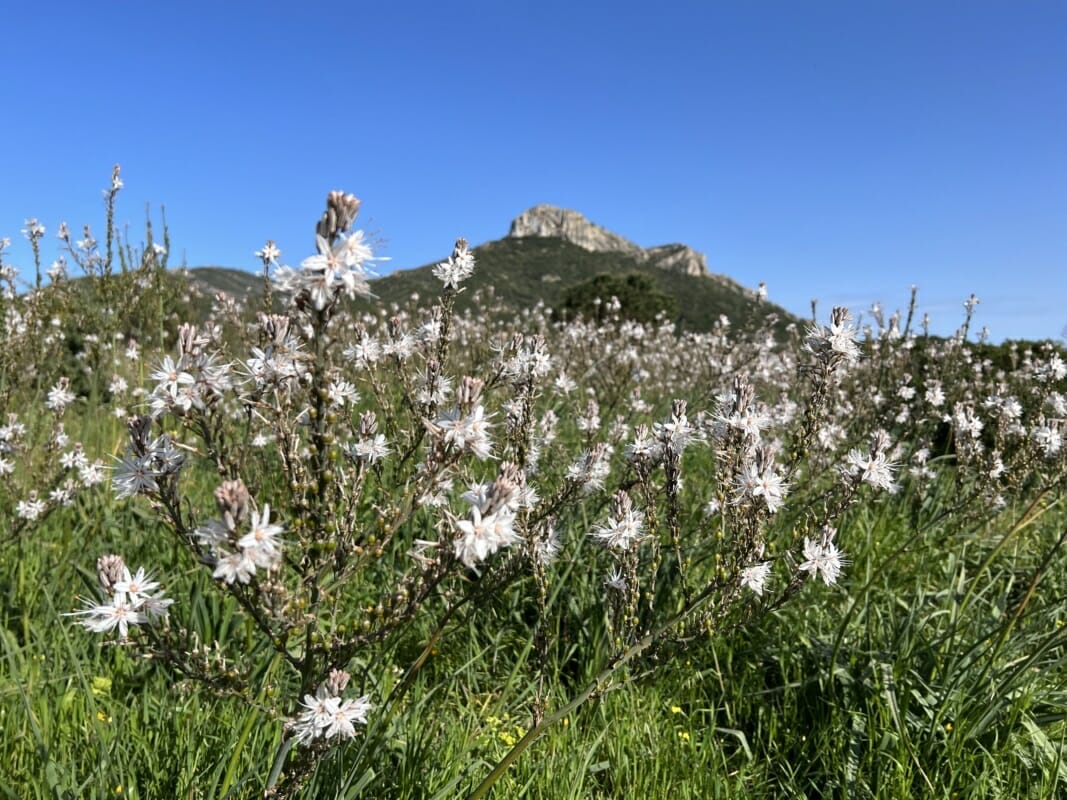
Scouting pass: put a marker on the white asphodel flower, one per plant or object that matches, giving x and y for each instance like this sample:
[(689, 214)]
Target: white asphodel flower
[(822, 558)]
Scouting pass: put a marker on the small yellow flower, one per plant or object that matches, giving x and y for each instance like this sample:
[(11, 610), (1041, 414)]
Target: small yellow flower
[(100, 715), (683, 735), (676, 709), (948, 727)]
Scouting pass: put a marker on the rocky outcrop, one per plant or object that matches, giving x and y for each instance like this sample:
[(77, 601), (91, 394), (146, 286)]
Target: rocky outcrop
[(678, 258), (562, 223)]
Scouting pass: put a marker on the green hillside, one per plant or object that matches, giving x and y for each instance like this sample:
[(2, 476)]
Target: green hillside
[(524, 271)]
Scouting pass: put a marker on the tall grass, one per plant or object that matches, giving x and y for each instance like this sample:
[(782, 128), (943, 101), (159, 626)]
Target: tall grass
[(579, 657)]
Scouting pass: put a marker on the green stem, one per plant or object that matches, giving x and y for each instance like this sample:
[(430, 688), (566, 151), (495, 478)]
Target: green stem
[(600, 683)]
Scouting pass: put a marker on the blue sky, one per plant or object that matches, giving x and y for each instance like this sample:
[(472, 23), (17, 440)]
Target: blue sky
[(840, 151)]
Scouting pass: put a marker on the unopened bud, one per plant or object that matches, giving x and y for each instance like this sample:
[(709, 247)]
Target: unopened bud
[(109, 570)]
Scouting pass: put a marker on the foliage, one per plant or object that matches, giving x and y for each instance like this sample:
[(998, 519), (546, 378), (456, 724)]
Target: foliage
[(533, 271), (554, 558), (636, 297)]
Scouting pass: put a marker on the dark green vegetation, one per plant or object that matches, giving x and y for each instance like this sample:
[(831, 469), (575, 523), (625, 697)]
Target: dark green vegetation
[(935, 667), (526, 271), (935, 670), (638, 298)]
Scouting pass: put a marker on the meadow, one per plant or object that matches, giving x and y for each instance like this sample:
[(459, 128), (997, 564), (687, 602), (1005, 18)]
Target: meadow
[(284, 546)]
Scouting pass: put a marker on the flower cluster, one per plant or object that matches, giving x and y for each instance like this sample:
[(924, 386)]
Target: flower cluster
[(491, 525), (326, 715), (458, 267), (477, 442), (338, 269), (132, 599), (243, 539)]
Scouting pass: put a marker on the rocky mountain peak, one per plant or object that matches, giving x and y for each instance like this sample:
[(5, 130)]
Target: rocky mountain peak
[(562, 223)]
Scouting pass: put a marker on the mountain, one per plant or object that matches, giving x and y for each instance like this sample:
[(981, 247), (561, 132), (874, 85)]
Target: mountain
[(561, 223), (549, 250)]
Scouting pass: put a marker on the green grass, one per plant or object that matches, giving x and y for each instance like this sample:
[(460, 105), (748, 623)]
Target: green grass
[(936, 670)]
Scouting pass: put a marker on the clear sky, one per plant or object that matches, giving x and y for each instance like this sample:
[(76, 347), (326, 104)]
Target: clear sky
[(840, 151)]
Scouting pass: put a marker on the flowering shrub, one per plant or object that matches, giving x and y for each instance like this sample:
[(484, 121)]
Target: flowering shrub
[(338, 475)]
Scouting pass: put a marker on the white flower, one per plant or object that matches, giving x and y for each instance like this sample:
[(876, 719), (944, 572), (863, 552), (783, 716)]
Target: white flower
[(74, 459), (755, 577), (344, 714), (331, 272), (1048, 439), (328, 716), (61, 495), (91, 474), (370, 450), (316, 718), (836, 343), (616, 580), (935, 395), (342, 392), (261, 543), (30, 509), (270, 253), (60, 396), (875, 470), (119, 613), (134, 476), (675, 434), (467, 433), (591, 469), (171, 377), (235, 567), (823, 558), (620, 532), (767, 484), (564, 384), (458, 268), (136, 588), (483, 536)]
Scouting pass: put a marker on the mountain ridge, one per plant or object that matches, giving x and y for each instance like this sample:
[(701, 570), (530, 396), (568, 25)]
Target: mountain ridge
[(548, 252), (548, 221)]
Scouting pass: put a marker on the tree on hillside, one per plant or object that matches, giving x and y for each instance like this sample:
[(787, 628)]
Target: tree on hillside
[(639, 298)]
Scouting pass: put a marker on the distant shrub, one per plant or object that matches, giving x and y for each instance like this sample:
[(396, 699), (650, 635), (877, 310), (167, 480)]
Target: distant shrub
[(637, 297)]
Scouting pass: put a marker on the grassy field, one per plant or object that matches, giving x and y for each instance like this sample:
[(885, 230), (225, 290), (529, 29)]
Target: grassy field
[(540, 577), (936, 669)]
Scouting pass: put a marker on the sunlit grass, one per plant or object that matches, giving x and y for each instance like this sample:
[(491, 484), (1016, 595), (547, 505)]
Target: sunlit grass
[(922, 654)]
